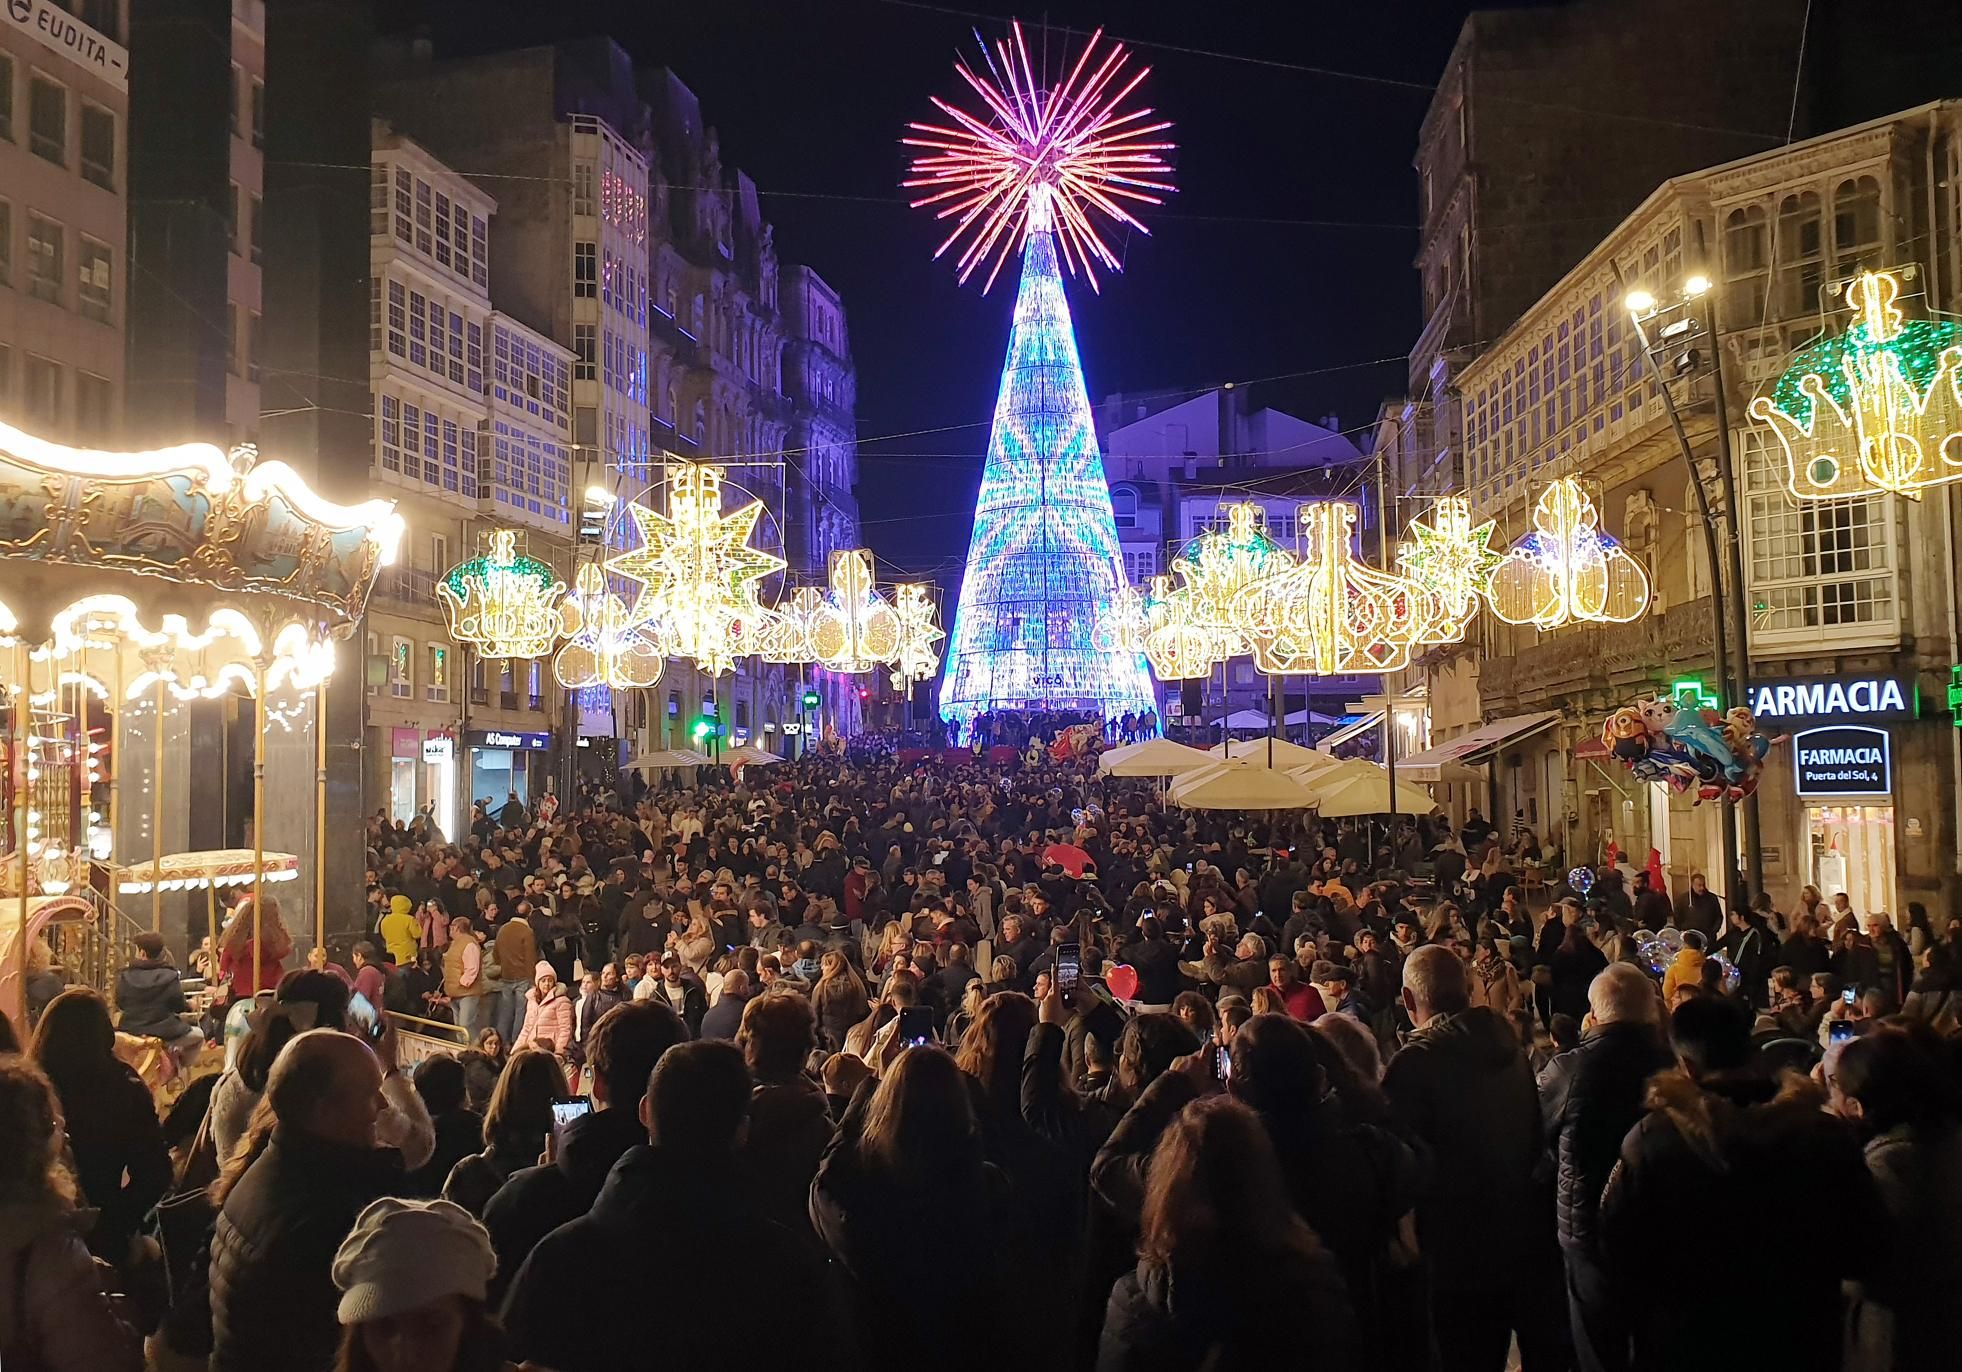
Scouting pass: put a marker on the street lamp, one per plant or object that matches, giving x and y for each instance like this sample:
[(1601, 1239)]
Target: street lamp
[(1678, 336)]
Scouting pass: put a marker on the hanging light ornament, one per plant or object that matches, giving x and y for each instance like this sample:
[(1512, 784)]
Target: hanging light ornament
[(1567, 570), (1177, 647), (916, 658), (1330, 614), (698, 575), (603, 646), (785, 632), (855, 629), (502, 602), (1877, 406), (1120, 626), (1446, 563), (1217, 566)]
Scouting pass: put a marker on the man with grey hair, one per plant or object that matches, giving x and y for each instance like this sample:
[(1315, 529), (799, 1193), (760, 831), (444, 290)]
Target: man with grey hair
[(1589, 1110), (1462, 1084)]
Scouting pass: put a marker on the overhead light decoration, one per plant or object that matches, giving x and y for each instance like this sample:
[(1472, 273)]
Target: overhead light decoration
[(604, 646), (915, 658), (1121, 625), (1331, 614), (1566, 569), (1446, 561), (1875, 407), (1177, 646), (855, 629), (502, 602), (1217, 566), (698, 575), (785, 635)]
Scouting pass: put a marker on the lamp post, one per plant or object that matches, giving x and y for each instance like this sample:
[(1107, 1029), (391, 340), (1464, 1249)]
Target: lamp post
[(1672, 349)]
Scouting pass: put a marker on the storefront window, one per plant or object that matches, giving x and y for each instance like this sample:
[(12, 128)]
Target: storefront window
[(1853, 851)]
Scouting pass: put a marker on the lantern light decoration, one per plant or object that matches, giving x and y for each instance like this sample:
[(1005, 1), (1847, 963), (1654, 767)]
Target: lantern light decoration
[(697, 572), (1566, 569), (855, 629), (915, 658), (1446, 561), (1875, 407), (784, 635), (502, 602), (603, 645), (1177, 646), (1036, 156)]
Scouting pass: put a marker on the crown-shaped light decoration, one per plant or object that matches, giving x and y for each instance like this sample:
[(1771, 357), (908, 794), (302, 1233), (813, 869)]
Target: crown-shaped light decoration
[(855, 629), (1446, 562), (916, 658), (502, 602), (603, 646), (697, 572), (1218, 565), (1566, 569), (1875, 407), (1177, 647), (1330, 614), (785, 633)]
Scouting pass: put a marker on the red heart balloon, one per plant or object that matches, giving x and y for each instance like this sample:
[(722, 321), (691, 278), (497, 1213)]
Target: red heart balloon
[(1123, 981)]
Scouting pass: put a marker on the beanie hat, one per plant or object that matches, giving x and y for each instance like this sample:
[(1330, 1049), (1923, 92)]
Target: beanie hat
[(402, 1255), (543, 968)]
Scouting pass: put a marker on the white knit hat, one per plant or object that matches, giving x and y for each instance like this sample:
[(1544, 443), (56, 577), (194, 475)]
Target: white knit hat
[(402, 1255)]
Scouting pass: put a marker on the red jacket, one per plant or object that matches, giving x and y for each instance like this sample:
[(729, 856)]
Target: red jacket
[(1304, 1002)]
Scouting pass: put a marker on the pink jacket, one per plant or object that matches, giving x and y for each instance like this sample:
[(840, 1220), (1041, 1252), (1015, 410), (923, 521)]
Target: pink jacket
[(550, 1018)]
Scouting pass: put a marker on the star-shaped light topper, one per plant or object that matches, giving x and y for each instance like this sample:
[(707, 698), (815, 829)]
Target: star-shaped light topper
[(697, 572), (1447, 562)]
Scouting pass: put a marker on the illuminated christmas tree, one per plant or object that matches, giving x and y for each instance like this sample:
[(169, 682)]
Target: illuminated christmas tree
[(1034, 169)]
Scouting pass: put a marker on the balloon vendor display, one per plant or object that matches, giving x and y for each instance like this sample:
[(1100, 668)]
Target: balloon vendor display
[(1714, 755)]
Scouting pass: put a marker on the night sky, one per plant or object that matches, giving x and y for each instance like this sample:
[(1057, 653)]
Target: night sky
[(1285, 259)]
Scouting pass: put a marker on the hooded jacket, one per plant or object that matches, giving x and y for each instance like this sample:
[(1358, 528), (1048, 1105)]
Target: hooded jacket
[(151, 997), (548, 1015), (659, 1225), (1732, 1151), (1464, 1089), (1685, 969)]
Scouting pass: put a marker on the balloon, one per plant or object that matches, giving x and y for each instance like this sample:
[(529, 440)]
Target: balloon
[(1123, 981), (1581, 879), (1713, 756)]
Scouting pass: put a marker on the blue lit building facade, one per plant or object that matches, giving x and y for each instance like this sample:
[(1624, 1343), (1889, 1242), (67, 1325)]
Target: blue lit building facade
[(1044, 557)]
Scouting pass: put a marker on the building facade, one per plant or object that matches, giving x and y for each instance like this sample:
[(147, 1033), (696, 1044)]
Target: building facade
[(64, 218)]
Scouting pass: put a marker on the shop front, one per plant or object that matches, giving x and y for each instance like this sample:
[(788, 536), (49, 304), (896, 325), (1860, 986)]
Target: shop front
[(439, 765), (1839, 771), (503, 761), (404, 751)]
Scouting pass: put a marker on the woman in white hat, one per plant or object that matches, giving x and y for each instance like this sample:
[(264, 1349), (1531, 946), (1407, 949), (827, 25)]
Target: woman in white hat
[(413, 1277)]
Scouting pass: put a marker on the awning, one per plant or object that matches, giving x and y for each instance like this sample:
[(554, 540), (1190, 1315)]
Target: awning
[(1329, 741), (1476, 746)]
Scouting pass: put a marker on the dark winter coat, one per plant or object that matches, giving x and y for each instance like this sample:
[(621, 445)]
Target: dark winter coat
[(273, 1299), (151, 997), (674, 1231), (722, 1019), (539, 1199), (1462, 1087), (121, 1160), (1157, 964), (1606, 1079), (789, 1128), (1165, 1320), (1734, 1147)]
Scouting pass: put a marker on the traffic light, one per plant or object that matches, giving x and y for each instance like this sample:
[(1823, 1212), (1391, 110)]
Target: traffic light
[(810, 699)]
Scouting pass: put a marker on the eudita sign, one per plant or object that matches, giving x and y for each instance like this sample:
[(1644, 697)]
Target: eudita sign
[(1842, 760), (1861, 698), (59, 31)]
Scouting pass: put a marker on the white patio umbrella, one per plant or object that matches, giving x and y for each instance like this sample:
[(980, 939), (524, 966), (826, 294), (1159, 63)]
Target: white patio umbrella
[(1286, 755), (749, 755), (1155, 757), (1241, 785), (667, 757), (1371, 796)]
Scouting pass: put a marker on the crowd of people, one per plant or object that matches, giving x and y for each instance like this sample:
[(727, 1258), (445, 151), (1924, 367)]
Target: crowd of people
[(1002, 1066)]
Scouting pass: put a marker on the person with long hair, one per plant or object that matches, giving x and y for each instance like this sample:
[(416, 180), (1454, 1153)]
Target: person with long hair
[(1227, 1271), (909, 1147), (53, 1315), (121, 1159), (413, 1276), (839, 1000), (516, 1128), (252, 966)]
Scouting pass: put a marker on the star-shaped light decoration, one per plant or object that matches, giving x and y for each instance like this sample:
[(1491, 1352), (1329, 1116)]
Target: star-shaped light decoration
[(502, 602), (916, 658), (699, 576), (1447, 562), (603, 646), (1120, 626)]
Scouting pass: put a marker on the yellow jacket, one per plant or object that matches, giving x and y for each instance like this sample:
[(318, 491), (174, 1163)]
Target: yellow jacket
[(401, 935), (1686, 969)]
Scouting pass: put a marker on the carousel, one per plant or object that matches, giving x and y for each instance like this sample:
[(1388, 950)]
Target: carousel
[(132, 584)]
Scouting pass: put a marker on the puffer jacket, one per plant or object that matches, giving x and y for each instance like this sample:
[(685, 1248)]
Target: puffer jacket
[(1463, 1087), (273, 1300), (1685, 969), (549, 1016), (151, 997), (1606, 1079), (53, 1315)]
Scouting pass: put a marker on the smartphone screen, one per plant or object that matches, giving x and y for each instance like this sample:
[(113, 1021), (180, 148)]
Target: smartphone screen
[(1223, 1063), (1849, 995), (915, 1028), (564, 1112), (1841, 1032), (1069, 966)]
